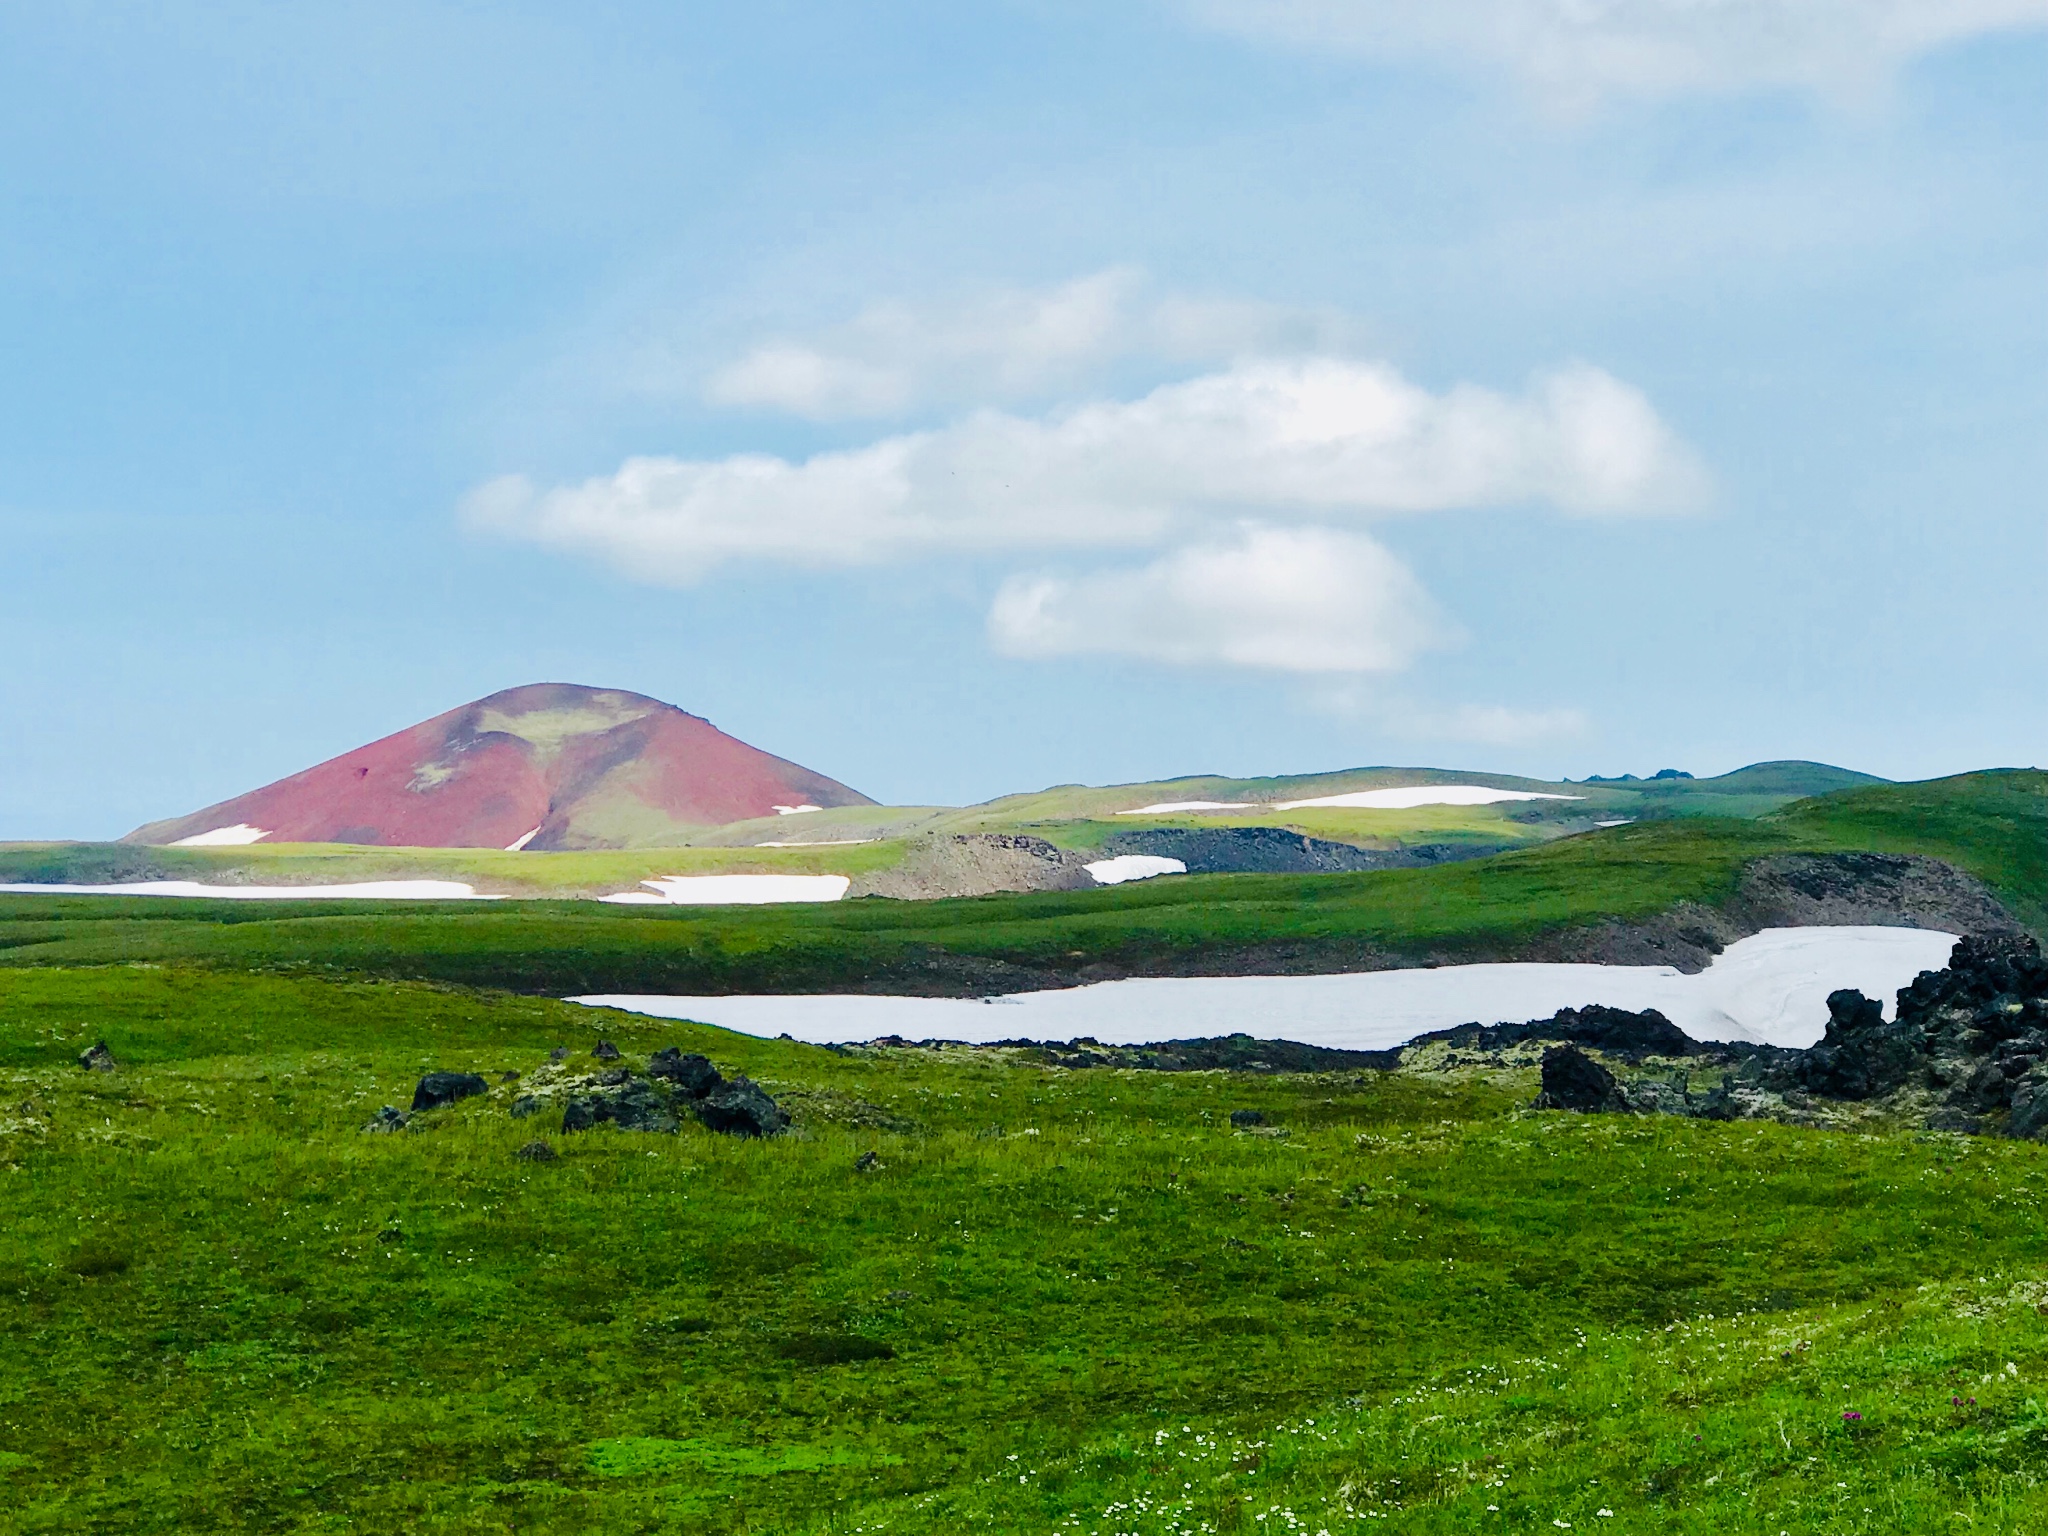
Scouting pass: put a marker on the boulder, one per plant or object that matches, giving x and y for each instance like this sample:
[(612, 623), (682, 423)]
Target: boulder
[(2029, 1117), (97, 1058), (867, 1162), (538, 1152), (1861, 1056), (693, 1076), (386, 1121), (1575, 1081), (1245, 1119), (439, 1088), (740, 1108), (606, 1051), (526, 1104)]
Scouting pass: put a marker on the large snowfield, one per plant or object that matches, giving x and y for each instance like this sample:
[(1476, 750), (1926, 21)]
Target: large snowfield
[(1771, 988)]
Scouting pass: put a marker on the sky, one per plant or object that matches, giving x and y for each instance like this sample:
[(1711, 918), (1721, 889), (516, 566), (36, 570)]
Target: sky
[(961, 400)]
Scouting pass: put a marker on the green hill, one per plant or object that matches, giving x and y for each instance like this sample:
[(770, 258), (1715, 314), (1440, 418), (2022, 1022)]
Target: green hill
[(1992, 825)]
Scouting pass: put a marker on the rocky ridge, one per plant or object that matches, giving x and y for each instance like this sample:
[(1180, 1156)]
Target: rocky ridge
[(1967, 1051)]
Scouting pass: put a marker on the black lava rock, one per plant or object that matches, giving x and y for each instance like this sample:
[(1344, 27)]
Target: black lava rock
[(1245, 1119), (1575, 1081), (635, 1105), (439, 1088), (867, 1162), (1615, 1030), (740, 1108), (1861, 1056), (606, 1051), (559, 1053), (97, 1058), (526, 1104), (386, 1121), (538, 1152), (693, 1075)]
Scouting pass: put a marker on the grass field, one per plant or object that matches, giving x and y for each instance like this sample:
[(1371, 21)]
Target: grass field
[(860, 840), (1064, 1302), (1995, 825)]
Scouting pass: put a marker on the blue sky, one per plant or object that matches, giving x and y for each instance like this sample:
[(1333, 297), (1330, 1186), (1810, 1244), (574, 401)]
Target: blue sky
[(967, 399)]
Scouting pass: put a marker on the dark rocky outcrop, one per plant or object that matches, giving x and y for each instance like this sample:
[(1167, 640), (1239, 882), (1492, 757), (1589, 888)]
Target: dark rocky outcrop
[(1245, 1119), (605, 1051), (1575, 1081), (1632, 1035), (1966, 1051), (633, 1105), (441, 1088), (692, 1076), (675, 1085), (538, 1152), (387, 1121), (740, 1108), (97, 1058), (1861, 1056)]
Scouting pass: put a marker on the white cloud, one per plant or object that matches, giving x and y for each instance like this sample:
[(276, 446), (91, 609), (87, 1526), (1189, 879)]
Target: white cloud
[(1577, 53), (1276, 441), (1285, 599), (1010, 344)]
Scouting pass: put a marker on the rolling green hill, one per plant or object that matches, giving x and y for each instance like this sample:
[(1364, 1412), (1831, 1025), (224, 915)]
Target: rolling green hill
[(863, 840), (1992, 825)]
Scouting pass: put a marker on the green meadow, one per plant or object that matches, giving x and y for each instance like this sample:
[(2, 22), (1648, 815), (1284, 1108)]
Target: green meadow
[(1059, 1301), (1062, 1301)]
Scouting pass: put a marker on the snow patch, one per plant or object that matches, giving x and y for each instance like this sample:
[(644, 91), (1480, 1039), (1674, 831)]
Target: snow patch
[(1169, 807), (1771, 988), (515, 847), (1421, 794), (796, 810), (732, 890), (1133, 866), (239, 836), (1404, 799), (823, 842), (368, 890)]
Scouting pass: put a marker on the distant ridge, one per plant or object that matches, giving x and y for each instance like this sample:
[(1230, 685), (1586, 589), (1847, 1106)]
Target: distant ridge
[(546, 766)]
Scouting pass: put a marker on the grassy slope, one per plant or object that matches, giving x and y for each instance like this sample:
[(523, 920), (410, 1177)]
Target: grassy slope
[(1074, 817), (1995, 825), (1065, 1302), (1633, 871)]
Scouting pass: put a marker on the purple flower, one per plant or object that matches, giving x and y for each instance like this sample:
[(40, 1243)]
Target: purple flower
[(1851, 1416)]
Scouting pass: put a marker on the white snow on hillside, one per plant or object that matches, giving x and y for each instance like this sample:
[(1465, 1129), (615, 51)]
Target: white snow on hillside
[(367, 890), (732, 890), (1133, 866), (239, 836), (1771, 988), (1406, 798)]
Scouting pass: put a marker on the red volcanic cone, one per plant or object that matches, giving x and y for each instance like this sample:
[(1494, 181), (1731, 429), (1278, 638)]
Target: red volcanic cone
[(553, 764)]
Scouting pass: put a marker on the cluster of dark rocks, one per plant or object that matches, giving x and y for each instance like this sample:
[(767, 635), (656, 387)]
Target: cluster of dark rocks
[(674, 1086), (1967, 1050)]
